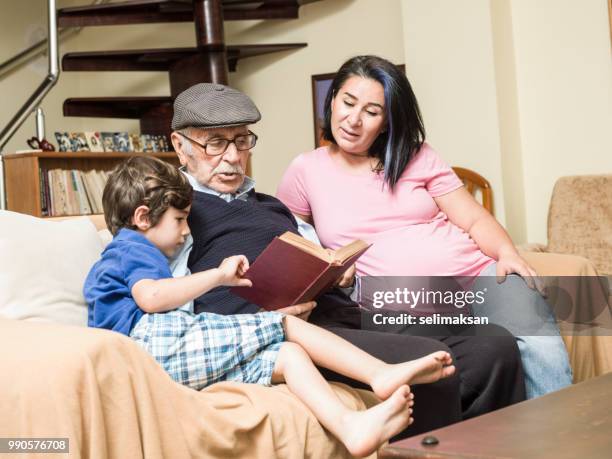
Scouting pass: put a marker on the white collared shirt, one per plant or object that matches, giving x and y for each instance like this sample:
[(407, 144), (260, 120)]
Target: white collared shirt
[(247, 185)]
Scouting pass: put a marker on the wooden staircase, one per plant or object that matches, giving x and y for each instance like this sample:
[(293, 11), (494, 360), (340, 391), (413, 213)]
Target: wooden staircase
[(209, 61), (160, 59), (151, 11)]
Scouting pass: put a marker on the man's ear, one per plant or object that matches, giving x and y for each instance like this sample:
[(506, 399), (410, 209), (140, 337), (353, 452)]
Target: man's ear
[(177, 143), (140, 219)]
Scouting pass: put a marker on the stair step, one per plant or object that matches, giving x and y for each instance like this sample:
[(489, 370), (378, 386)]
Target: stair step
[(153, 11), (160, 59), (115, 107)]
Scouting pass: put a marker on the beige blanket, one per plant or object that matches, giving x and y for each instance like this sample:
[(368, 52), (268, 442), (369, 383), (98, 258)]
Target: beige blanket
[(112, 400), (589, 355)]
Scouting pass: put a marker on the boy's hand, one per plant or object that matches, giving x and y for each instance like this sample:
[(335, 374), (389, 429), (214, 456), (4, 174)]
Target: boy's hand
[(232, 269)]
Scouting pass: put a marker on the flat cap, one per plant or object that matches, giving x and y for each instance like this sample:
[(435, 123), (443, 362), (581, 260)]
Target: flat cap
[(210, 105)]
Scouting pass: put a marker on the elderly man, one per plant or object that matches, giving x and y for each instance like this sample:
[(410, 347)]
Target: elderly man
[(213, 142)]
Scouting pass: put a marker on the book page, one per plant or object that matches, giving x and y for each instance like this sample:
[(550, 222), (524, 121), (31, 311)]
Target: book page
[(336, 257), (344, 253), (306, 246)]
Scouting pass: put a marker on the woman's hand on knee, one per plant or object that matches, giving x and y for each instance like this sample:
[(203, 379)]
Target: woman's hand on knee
[(514, 263)]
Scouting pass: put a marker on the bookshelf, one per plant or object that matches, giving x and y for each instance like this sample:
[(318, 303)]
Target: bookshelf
[(22, 172)]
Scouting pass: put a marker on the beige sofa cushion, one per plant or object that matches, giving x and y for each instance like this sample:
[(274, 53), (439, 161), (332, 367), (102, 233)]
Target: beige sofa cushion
[(580, 219), (43, 265)]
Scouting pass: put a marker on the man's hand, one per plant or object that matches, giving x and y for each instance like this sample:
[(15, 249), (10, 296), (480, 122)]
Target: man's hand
[(347, 279), (232, 269), (301, 310)]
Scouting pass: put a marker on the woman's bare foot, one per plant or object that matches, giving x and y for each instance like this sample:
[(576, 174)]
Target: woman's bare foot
[(363, 432), (428, 369)]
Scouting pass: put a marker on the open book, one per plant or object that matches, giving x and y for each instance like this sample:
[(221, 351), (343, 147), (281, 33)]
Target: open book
[(292, 270)]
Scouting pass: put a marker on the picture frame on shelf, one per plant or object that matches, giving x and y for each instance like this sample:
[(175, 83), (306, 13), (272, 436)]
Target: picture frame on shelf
[(167, 144), (111, 142), (148, 143), (108, 141), (161, 143), (78, 141), (94, 141), (122, 141), (155, 142), (63, 141), (135, 142)]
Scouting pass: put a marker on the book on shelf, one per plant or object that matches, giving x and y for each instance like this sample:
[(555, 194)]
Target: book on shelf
[(71, 197), (51, 195), (91, 193), (81, 195), (293, 270), (61, 192), (44, 210), (71, 192)]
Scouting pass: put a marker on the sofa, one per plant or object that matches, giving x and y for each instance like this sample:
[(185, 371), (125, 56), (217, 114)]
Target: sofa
[(102, 391), (580, 220), (575, 266), (111, 399), (579, 233)]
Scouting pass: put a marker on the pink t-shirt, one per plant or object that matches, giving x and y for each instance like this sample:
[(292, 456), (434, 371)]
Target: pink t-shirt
[(410, 235)]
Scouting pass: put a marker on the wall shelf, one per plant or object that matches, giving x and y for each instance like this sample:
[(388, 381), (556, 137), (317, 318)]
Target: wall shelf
[(23, 180)]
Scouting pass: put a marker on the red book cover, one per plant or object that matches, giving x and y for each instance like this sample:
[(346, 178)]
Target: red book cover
[(292, 270)]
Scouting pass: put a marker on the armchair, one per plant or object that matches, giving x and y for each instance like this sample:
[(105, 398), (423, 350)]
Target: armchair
[(579, 250), (580, 220)]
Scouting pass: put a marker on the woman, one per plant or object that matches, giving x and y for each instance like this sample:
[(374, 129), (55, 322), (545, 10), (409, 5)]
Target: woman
[(379, 181)]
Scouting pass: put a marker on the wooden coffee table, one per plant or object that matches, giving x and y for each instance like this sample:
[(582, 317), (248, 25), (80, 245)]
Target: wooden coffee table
[(572, 423)]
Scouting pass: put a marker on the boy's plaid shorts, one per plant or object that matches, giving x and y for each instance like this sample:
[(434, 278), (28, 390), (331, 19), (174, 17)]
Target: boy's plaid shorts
[(201, 349)]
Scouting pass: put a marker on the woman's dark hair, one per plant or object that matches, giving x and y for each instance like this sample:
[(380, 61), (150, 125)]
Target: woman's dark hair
[(405, 132), (143, 181)]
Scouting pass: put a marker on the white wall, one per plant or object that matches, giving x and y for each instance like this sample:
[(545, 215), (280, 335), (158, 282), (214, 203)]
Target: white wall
[(564, 78), (519, 90), (19, 23), (19, 18), (509, 119), (449, 61), (279, 83)]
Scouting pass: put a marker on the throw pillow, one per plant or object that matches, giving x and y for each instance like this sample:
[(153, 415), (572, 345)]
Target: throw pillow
[(43, 267)]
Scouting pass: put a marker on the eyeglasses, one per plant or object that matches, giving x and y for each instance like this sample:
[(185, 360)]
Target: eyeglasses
[(216, 147)]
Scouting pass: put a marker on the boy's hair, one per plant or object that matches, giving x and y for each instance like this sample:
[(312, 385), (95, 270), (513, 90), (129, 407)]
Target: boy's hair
[(143, 181)]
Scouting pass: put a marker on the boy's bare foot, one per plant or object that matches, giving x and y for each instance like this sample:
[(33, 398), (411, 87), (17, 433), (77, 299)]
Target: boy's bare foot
[(363, 432), (428, 369)]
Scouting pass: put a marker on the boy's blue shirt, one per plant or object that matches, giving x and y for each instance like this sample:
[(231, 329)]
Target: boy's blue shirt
[(129, 258)]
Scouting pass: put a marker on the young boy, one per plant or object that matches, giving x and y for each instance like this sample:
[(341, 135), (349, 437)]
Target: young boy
[(131, 290)]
